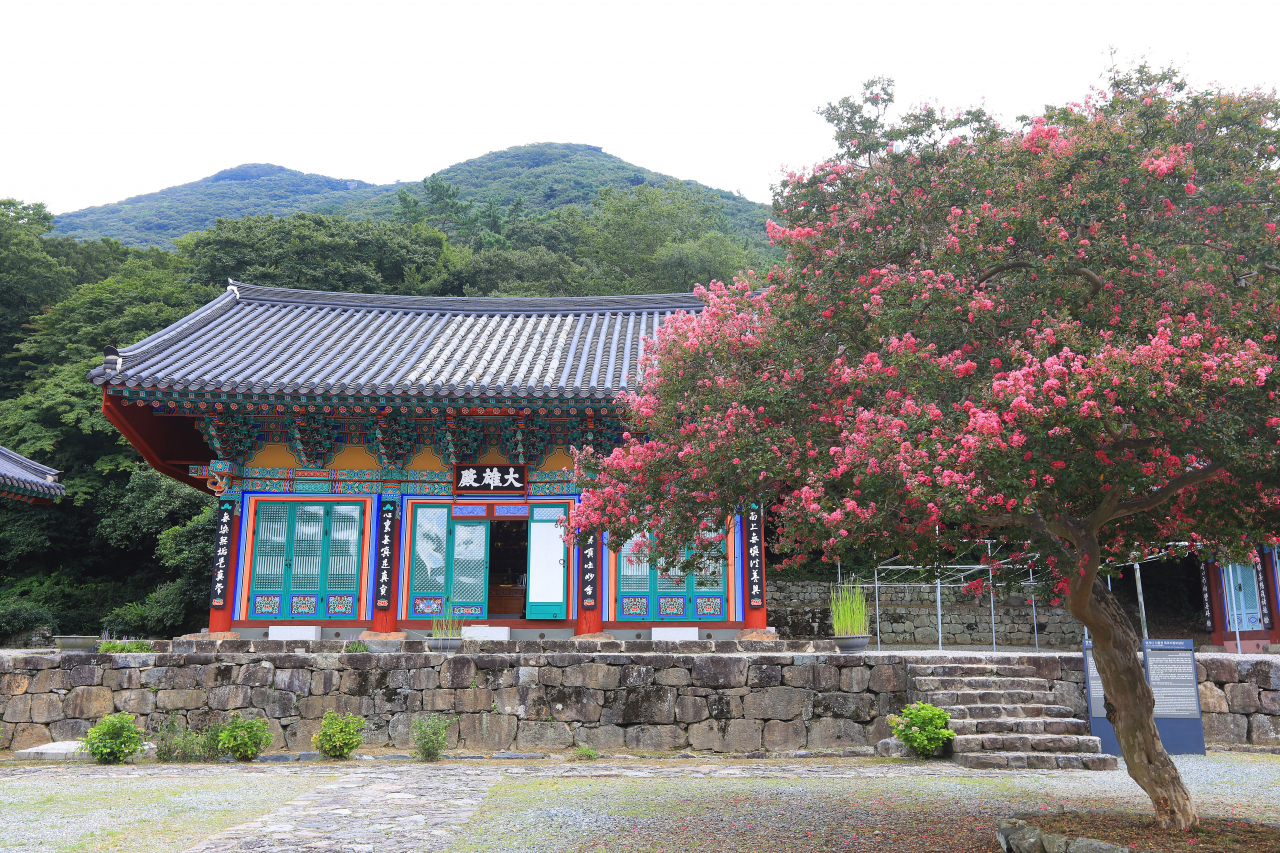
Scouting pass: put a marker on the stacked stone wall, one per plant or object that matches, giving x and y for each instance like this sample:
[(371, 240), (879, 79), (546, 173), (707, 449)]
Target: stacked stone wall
[(548, 697), (909, 616)]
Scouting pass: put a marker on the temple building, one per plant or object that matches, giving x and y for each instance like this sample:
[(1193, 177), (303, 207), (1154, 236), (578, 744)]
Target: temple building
[(1240, 602), (384, 462), (24, 480)]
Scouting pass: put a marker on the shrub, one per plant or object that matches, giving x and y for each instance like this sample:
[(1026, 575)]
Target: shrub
[(431, 736), (177, 743), (923, 727), (849, 611), (586, 753), (114, 739), (124, 646), (244, 739), (355, 646), (339, 735), (18, 615)]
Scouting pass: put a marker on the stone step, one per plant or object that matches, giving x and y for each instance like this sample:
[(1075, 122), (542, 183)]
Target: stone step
[(1036, 761), (991, 712), (1026, 743), (962, 670), (1020, 725), (991, 697), (925, 683)]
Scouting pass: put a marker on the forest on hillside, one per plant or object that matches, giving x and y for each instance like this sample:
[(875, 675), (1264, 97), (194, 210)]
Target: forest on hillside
[(545, 177), (127, 550)]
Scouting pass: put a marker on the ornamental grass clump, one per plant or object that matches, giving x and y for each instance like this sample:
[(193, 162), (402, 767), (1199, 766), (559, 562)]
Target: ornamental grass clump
[(339, 735), (922, 727), (849, 611), (244, 739), (114, 739)]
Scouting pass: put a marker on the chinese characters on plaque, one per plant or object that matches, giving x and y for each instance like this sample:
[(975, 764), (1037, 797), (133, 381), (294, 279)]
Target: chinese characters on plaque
[(588, 571), (386, 555), (753, 554), (489, 479), (222, 554)]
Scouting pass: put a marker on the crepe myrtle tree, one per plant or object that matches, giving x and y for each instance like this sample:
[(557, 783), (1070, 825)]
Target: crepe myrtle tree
[(1060, 336)]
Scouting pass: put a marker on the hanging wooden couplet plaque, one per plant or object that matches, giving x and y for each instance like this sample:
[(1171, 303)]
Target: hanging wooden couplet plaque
[(386, 555), (222, 554), (589, 571), (489, 479), (753, 557)]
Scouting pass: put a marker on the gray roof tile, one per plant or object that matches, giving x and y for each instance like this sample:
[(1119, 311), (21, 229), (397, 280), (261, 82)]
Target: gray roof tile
[(273, 340), (18, 473)]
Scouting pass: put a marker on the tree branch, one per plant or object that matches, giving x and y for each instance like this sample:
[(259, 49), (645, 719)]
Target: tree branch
[(999, 268), (1163, 494), (1031, 521), (1095, 282)]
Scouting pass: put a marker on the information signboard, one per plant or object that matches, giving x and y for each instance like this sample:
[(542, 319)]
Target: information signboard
[(1170, 667), (1171, 672)]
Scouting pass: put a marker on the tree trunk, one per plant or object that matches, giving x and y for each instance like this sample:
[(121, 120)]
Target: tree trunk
[(1130, 703)]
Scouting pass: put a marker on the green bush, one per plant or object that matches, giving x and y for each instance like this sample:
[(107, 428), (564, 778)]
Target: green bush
[(431, 736), (114, 739), (339, 735), (177, 743), (244, 739), (355, 646), (124, 646), (586, 753), (20, 614), (923, 727)]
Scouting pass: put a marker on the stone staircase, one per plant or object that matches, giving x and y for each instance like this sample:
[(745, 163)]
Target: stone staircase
[(1006, 715)]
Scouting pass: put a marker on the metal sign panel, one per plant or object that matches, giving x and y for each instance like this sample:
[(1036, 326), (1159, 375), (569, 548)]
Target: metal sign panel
[(1171, 671), (489, 479), (222, 554), (1099, 725)]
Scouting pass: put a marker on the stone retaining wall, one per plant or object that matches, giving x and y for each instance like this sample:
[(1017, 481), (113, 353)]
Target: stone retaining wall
[(908, 615), (542, 697)]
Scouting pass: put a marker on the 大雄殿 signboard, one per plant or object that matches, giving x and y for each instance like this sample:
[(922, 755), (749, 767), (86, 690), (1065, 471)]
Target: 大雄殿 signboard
[(489, 479)]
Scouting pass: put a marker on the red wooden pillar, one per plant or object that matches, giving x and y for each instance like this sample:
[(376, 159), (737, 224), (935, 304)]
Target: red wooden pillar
[(220, 616), (758, 617), (384, 618), (590, 613), (1213, 572), (753, 551)]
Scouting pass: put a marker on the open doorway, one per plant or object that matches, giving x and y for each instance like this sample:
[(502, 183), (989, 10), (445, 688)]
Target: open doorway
[(508, 565)]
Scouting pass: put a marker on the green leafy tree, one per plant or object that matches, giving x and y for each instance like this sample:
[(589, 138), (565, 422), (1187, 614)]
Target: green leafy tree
[(30, 278)]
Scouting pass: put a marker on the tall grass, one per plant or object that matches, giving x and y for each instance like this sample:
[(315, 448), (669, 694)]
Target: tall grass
[(849, 611), (450, 626)]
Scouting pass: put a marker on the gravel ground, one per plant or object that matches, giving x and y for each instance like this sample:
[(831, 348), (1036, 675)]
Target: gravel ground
[(637, 805)]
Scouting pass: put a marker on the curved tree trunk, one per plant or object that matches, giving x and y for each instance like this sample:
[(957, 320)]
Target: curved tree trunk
[(1129, 701)]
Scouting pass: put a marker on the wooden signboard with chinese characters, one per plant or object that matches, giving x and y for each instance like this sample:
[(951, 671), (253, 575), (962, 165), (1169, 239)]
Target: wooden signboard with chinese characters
[(386, 555), (489, 479), (753, 556), (589, 571), (222, 553)]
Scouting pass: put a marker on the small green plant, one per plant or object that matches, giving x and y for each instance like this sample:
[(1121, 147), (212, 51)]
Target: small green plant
[(114, 739), (355, 646), (178, 744), (586, 753), (339, 735), (244, 739), (431, 736), (116, 647), (922, 727), (849, 611)]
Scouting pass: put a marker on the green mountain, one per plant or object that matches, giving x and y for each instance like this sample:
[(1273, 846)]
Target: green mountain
[(546, 175)]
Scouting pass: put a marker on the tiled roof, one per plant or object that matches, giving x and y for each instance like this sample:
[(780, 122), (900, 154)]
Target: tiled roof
[(19, 476), (270, 340)]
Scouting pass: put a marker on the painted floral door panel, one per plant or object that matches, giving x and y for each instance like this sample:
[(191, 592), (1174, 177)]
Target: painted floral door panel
[(448, 565), (645, 592), (306, 560)]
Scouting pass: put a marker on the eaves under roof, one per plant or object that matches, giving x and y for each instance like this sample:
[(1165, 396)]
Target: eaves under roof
[(267, 340), (20, 477)]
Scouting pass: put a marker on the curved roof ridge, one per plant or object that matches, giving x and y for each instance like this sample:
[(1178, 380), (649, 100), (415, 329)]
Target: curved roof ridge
[(28, 476)]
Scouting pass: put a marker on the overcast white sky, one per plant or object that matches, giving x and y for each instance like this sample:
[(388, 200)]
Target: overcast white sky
[(110, 100)]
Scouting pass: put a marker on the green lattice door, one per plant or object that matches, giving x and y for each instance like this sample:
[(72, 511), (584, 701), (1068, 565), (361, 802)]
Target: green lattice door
[(645, 592), (448, 565), (306, 560)]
